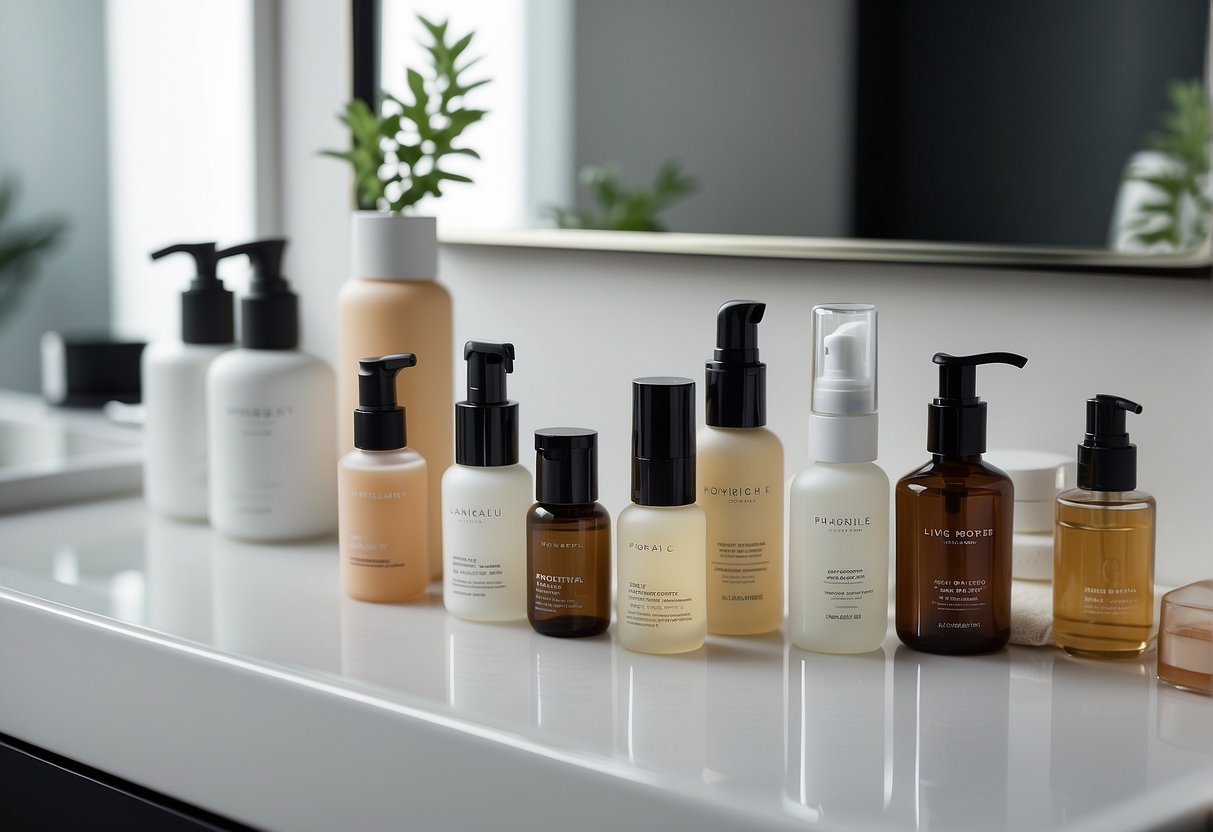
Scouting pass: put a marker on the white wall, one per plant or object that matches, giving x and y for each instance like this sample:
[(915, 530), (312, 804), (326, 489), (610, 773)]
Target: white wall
[(585, 323)]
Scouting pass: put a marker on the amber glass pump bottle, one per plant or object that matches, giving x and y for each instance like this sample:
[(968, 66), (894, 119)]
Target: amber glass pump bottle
[(568, 537), (1103, 566), (954, 525)]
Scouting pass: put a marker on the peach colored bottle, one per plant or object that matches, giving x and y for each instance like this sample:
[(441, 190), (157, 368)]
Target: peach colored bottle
[(391, 304), (382, 495)]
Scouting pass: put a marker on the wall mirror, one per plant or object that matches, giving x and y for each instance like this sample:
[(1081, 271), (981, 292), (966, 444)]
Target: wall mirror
[(1071, 135)]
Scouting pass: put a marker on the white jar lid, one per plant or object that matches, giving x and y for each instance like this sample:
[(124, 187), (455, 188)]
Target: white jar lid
[(1039, 476)]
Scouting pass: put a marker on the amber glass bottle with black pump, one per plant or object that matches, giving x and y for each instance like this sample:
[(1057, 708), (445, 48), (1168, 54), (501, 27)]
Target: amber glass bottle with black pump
[(1103, 544), (954, 525), (568, 538)]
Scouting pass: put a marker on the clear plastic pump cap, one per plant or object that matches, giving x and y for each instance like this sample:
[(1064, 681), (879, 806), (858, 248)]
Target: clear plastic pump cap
[(844, 359)]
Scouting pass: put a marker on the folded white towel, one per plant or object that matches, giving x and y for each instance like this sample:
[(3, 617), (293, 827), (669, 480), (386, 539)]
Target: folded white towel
[(1032, 613)]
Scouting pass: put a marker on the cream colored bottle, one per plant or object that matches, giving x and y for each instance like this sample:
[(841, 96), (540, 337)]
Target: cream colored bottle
[(382, 495), (739, 482), (391, 304), (661, 539)]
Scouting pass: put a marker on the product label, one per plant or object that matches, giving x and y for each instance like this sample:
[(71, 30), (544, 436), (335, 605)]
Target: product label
[(1117, 601), (962, 599), (479, 538), (653, 607), (844, 574), (739, 562), (262, 431)]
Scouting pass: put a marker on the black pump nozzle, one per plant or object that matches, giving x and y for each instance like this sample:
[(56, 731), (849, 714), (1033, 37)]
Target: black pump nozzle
[(956, 420), (736, 381), (378, 420), (269, 317), (206, 306), (1107, 460), (486, 424)]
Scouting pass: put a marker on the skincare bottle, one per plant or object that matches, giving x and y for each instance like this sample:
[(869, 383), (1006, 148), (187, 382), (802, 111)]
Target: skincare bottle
[(1103, 560), (739, 482), (568, 538), (838, 595), (174, 390), (381, 494), (270, 417), (955, 519), (485, 496), (390, 304), (662, 537)]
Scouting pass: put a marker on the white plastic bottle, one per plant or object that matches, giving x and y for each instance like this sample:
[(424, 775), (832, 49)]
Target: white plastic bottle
[(740, 482), (486, 495), (174, 391), (839, 508), (270, 418), (661, 560)]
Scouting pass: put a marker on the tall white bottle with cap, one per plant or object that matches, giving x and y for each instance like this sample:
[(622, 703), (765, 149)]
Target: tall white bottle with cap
[(391, 304), (839, 530)]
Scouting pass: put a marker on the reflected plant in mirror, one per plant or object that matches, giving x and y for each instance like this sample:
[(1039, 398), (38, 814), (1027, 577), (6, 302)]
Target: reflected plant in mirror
[(620, 208), (1175, 215), (396, 154), (22, 246)]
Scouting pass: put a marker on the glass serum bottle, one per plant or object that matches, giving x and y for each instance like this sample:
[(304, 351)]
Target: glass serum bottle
[(485, 496), (739, 474), (568, 538), (662, 537), (1103, 563), (838, 556), (955, 519), (382, 494)]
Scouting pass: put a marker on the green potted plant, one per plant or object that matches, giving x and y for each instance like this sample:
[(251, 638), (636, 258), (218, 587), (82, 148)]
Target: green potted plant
[(22, 246), (392, 304)]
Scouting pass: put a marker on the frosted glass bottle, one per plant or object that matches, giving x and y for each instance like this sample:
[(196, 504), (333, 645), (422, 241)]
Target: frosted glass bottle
[(662, 583), (271, 425), (174, 434), (484, 513), (839, 558)]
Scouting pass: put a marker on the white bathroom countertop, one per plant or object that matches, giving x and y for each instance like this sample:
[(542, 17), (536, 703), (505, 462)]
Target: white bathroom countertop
[(238, 678)]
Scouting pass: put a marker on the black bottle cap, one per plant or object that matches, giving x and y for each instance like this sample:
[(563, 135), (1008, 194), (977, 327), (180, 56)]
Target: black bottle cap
[(663, 441), (566, 466), (486, 424), (269, 313), (736, 379), (378, 420), (206, 306), (956, 420), (1107, 460)]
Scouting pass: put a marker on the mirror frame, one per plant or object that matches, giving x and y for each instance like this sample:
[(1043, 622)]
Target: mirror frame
[(364, 32)]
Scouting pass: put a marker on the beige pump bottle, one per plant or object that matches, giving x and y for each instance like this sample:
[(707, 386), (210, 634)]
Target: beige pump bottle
[(740, 482), (391, 304), (381, 495)]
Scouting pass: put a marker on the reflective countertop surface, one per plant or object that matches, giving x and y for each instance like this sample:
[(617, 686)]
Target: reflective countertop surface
[(1022, 739)]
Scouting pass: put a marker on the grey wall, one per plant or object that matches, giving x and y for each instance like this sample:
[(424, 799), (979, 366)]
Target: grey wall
[(53, 137), (753, 98)]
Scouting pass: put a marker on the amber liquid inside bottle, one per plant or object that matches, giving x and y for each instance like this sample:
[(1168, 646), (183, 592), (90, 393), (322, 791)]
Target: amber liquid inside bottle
[(954, 527), (1103, 573), (568, 569)]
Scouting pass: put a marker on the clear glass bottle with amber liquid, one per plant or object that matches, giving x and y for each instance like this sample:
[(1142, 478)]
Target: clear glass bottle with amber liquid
[(1103, 567), (568, 537)]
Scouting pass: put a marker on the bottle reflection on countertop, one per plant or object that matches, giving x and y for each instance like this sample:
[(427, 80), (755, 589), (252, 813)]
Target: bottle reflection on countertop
[(397, 646), (662, 710), (572, 699), (951, 718), (1185, 719), (278, 603), (836, 736), (179, 578), (1098, 734), (744, 726), (485, 673)]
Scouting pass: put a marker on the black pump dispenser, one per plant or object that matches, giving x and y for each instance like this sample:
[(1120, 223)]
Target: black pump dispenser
[(956, 420), (269, 313), (486, 424), (663, 441), (206, 306), (1107, 460), (736, 379), (566, 466), (378, 420)]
